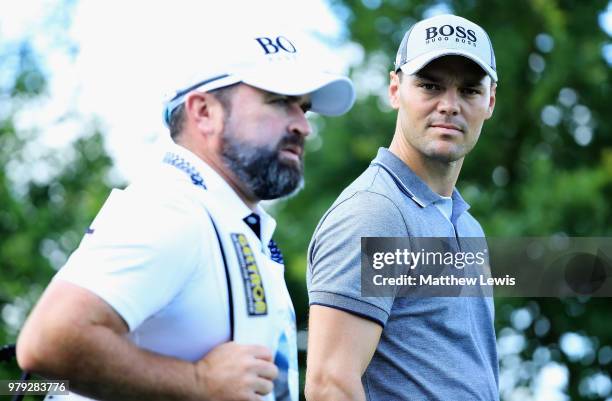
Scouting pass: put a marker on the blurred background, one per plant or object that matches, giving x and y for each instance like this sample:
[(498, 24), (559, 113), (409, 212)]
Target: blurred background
[(81, 89)]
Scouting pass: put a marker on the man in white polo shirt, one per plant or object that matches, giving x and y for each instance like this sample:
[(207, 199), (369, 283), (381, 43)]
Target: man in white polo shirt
[(177, 289)]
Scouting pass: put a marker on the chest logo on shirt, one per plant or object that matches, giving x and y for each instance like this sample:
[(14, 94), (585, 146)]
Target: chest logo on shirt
[(253, 284)]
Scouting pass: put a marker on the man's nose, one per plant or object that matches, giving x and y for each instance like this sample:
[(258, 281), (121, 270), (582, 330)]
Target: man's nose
[(449, 102), (299, 124)]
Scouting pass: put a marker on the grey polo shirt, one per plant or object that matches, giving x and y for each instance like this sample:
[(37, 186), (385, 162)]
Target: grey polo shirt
[(437, 348)]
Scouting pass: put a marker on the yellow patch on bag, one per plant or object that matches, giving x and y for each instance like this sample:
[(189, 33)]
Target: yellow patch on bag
[(253, 284)]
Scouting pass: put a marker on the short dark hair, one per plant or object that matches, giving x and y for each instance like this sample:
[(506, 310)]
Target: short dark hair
[(400, 75), (177, 118)]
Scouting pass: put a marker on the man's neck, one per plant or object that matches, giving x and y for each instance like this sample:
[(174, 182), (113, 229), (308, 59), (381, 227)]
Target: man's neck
[(216, 163), (439, 176)]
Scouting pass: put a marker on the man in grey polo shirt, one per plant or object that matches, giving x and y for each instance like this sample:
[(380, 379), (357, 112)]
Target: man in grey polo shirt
[(436, 348)]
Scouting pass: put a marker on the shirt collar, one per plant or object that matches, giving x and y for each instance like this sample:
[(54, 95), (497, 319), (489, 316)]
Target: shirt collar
[(459, 205), (412, 184), (218, 186)]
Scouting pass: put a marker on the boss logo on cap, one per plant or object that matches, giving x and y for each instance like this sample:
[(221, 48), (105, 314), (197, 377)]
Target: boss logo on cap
[(445, 32), (272, 46)]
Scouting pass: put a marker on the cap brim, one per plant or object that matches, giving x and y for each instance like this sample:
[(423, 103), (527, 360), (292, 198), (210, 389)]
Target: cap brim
[(330, 94), (416, 64)]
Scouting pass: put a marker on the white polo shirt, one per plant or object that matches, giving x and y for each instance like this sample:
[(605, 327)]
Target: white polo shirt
[(152, 254)]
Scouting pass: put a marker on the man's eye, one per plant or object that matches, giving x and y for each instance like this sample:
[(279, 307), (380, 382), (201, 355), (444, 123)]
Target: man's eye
[(429, 87), (280, 100), (471, 91)]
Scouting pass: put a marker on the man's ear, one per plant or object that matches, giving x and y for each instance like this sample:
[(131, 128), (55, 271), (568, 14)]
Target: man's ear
[(394, 87), (492, 100), (204, 112)]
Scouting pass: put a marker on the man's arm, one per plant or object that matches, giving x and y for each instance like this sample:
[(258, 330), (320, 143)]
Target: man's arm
[(340, 347), (73, 334), (341, 344)]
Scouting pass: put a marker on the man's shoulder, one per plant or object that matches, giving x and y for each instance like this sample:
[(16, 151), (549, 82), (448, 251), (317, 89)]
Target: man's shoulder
[(369, 205), (369, 193), (161, 187), (151, 207), (469, 226)]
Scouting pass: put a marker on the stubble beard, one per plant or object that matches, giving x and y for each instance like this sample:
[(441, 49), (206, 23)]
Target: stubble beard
[(445, 151), (433, 153)]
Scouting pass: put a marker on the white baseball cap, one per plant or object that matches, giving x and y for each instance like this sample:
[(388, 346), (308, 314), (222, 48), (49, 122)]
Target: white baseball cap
[(271, 61), (445, 35)]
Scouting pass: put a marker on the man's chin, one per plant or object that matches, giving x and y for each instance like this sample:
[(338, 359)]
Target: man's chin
[(296, 190), (446, 154), (285, 194), (446, 157)]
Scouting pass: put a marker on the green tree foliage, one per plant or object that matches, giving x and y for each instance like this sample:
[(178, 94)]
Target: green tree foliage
[(41, 218), (543, 165)]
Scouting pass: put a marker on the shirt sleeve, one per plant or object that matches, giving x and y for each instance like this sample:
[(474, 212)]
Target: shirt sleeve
[(334, 263), (139, 252)]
